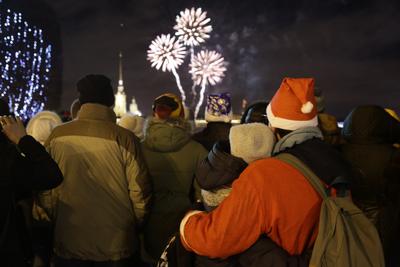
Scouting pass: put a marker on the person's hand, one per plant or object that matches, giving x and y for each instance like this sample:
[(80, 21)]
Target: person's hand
[(13, 128)]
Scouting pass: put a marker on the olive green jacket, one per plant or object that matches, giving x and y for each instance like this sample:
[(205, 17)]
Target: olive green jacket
[(172, 158)]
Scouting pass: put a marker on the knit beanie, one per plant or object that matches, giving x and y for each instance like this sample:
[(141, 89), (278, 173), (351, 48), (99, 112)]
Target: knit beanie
[(97, 89), (252, 141), (293, 105), (133, 123), (218, 108), (167, 106)]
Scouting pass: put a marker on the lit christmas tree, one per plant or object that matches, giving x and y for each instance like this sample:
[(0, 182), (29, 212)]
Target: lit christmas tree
[(25, 64)]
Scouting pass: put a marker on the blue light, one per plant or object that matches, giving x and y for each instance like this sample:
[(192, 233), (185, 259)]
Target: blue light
[(25, 64)]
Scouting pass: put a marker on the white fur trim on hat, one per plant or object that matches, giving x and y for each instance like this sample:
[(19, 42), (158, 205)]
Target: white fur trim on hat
[(251, 141), (223, 118), (183, 224), (290, 125), (307, 107)]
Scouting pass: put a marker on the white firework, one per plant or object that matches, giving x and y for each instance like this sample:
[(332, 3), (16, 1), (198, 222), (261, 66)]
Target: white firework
[(208, 67), (191, 26), (166, 53)]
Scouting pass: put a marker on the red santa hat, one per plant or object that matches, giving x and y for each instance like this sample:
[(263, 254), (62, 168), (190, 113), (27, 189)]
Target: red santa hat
[(293, 105)]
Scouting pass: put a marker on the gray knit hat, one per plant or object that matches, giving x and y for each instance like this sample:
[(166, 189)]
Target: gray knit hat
[(252, 141)]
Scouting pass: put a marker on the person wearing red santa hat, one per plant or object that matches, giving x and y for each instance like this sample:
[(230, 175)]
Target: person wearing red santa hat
[(271, 197)]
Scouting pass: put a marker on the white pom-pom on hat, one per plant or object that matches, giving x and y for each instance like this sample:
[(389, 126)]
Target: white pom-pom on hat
[(307, 107)]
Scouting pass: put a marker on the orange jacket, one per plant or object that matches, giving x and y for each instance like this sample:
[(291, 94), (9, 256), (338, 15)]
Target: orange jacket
[(270, 197)]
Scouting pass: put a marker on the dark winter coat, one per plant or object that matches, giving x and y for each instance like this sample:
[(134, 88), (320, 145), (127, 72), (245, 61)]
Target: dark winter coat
[(323, 159), (219, 169), (24, 168), (214, 131), (370, 134)]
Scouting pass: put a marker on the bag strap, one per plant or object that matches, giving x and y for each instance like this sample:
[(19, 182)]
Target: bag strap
[(307, 173)]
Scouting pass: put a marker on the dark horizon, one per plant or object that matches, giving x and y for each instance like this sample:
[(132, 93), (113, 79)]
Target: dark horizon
[(351, 48)]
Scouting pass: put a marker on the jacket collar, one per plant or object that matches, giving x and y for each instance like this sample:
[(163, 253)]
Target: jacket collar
[(297, 137), (91, 111)]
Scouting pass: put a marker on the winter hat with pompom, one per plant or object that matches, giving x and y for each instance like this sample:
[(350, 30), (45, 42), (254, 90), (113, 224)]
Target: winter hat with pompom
[(293, 105), (252, 141)]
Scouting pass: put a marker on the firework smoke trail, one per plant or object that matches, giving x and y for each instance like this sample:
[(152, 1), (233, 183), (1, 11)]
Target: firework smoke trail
[(167, 53), (178, 83), (194, 93), (206, 67), (201, 99)]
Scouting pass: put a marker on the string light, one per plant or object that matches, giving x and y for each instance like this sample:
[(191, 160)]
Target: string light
[(25, 64)]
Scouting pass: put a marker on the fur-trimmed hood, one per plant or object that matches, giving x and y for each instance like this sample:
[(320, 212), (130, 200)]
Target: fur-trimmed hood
[(42, 124), (166, 135)]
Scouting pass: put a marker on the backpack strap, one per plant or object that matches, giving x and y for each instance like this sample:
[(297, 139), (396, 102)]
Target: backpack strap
[(307, 173)]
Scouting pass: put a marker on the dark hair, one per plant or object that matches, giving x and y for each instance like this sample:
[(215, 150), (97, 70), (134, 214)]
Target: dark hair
[(256, 112), (165, 101)]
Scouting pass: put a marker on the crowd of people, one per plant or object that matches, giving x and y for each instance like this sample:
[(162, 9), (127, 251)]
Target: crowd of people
[(97, 191)]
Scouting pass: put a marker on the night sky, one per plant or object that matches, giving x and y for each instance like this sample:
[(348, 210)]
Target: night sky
[(351, 47)]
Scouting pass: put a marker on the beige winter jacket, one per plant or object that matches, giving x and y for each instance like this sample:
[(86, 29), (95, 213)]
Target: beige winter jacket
[(106, 190)]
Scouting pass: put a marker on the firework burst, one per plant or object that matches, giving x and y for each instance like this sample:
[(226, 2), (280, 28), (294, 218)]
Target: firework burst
[(191, 26), (167, 53), (207, 67)]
